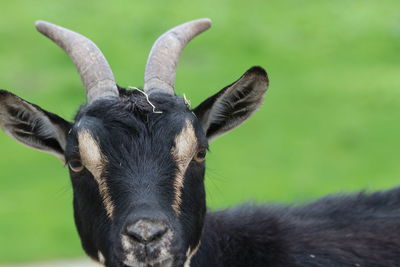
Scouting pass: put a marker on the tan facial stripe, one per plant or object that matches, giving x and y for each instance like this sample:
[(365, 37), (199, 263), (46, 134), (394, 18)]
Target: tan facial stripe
[(183, 152), (95, 162)]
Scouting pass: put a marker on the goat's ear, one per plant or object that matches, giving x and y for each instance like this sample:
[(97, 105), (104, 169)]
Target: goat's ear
[(232, 105), (33, 126)]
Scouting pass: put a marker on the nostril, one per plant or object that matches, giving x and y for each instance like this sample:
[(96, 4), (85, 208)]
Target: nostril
[(144, 231)]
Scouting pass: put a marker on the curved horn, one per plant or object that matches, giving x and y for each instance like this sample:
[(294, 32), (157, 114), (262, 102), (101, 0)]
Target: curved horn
[(164, 55), (92, 66)]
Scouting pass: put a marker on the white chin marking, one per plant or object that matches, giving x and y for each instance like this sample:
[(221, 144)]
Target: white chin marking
[(189, 254), (188, 258), (102, 260)]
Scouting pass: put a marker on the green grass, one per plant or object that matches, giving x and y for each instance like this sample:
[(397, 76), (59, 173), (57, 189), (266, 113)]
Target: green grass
[(330, 122)]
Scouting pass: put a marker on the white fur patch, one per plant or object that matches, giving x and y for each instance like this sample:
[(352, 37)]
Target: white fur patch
[(102, 260), (190, 253)]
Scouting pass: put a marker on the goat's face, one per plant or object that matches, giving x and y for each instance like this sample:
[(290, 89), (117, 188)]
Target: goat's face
[(138, 178), (136, 158)]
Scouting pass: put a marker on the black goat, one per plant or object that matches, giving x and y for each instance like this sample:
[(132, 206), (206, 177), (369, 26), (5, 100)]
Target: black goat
[(137, 164)]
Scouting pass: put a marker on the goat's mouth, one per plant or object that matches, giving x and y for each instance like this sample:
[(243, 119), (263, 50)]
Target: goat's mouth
[(159, 263), (132, 260)]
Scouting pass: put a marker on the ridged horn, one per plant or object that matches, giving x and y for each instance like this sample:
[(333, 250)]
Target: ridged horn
[(164, 55), (95, 72)]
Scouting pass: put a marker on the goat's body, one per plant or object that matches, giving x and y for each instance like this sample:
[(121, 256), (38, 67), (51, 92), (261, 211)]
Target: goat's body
[(350, 230)]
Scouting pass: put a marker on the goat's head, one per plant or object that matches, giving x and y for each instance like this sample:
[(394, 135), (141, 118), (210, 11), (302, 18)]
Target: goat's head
[(136, 157)]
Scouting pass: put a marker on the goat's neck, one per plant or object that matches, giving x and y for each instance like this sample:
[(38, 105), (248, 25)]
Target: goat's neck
[(232, 241)]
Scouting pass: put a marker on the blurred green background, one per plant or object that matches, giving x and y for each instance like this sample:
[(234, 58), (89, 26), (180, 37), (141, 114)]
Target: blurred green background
[(330, 122)]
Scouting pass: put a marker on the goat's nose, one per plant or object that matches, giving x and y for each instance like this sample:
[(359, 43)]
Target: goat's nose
[(145, 231)]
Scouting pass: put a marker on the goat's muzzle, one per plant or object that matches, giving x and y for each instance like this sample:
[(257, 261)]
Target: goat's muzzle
[(147, 242), (146, 232)]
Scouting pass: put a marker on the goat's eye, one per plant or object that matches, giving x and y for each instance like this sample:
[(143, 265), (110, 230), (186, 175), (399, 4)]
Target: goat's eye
[(200, 155), (76, 165)]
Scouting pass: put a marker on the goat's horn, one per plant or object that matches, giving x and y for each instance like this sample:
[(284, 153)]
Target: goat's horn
[(92, 66), (164, 55)]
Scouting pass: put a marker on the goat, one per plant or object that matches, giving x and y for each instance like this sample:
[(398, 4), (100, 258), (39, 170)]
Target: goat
[(137, 162)]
